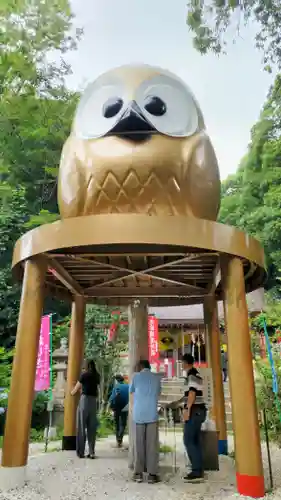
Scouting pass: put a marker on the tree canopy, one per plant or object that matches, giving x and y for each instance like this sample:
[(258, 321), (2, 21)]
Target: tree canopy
[(36, 110), (30, 31), (211, 20), (251, 198), (35, 117)]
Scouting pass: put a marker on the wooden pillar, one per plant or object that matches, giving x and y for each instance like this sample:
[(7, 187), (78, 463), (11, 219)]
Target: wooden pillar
[(249, 468), (211, 315), (16, 439), (75, 359), (138, 349), (182, 341), (207, 336)]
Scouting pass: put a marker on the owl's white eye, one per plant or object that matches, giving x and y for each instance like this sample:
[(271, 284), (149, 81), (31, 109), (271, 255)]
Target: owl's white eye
[(99, 109), (168, 105)]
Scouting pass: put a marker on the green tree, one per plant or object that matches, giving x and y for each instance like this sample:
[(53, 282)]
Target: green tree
[(35, 117), (35, 106), (32, 133), (106, 354), (251, 197), (266, 399), (271, 314), (13, 215), (209, 22), (5, 367), (98, 322), (30, 32)]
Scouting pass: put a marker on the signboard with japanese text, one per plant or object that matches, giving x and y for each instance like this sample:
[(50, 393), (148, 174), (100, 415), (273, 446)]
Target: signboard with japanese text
[(153, 342), (42, 380)]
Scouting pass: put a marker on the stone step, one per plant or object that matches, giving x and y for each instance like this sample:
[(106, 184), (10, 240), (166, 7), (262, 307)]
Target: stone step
[(174, 391)]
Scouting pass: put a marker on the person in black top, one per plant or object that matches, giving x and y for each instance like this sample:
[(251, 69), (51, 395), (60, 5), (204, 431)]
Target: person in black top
[(194, 415), (87, 409)]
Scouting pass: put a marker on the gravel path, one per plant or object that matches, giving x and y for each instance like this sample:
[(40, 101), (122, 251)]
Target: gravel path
[(62, 476)]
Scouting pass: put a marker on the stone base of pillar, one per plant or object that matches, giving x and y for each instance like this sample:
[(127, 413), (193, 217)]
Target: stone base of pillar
[(69, 443), (12, 477)]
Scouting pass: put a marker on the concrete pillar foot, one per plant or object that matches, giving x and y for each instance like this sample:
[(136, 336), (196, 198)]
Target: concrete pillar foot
[(12, 477)]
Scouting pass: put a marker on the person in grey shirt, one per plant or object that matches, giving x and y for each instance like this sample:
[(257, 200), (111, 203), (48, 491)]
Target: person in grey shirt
[(145, 389)]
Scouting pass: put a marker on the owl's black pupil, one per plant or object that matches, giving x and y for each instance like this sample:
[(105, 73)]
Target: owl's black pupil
[(155, 106), (112, 107)]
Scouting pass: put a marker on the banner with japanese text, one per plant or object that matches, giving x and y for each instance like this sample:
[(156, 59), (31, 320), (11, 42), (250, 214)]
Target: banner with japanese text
[(153, 340), (42, 380)]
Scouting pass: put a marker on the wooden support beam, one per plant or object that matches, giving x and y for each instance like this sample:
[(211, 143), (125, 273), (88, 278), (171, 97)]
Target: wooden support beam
[(142, 292), (64, 277), (216, 279)]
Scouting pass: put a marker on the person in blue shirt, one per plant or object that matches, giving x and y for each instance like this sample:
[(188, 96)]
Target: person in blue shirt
[(119, 403), (145, 390)]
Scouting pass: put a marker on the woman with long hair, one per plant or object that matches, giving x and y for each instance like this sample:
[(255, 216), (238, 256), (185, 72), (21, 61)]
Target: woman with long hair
[(87, 409)]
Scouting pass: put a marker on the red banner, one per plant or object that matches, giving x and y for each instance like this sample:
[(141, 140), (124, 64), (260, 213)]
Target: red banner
[(153, 340)]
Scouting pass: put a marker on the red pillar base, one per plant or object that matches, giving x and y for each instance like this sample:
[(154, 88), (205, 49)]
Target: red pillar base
[(250, 486)]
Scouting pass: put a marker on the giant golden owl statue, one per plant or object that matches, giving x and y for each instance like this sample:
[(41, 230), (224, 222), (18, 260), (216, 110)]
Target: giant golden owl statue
[(138, 145)]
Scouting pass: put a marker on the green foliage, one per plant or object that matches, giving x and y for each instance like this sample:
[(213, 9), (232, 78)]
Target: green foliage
[(106, 354), (35, 115), (13, 216), (30, 31), (5, 368), (36, 436), (251, 197), (266, 398), (44, 217), (32, 133), (165, 449), (39, 418), (211, 20), (60, 331), (105, 425), (271, 314)]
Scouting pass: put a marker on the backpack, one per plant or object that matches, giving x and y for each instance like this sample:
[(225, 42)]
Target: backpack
[(117, 403)]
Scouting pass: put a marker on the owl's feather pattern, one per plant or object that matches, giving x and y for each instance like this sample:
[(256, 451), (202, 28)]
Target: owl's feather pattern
[(181, 180)]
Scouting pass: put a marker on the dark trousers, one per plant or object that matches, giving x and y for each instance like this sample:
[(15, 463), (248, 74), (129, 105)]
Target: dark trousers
[(86, 424), (120, 418), (224, 372), (192, 439)]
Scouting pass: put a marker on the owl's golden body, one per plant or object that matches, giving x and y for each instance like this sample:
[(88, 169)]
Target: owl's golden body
[(162, 175)]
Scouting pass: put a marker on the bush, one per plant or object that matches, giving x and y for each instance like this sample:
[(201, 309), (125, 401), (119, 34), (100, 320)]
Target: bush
[(266, 398), (105, 425), (39, 419), (40, 416)]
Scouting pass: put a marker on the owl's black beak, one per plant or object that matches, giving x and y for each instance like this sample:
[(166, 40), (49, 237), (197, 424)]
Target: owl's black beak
[(133, 125)]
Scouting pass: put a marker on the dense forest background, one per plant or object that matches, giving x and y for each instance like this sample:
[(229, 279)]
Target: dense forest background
[(36, 110)]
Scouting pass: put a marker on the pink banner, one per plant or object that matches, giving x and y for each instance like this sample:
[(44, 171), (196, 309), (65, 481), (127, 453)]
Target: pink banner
[(153, 340), (42, 380)]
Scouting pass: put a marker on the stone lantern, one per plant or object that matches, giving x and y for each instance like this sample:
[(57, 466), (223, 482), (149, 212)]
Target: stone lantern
[(60, 357)]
